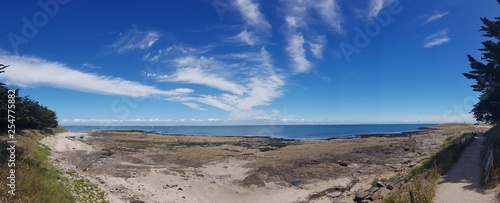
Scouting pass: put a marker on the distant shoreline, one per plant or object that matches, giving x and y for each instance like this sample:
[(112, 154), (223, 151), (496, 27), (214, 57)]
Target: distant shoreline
[(282, 137)]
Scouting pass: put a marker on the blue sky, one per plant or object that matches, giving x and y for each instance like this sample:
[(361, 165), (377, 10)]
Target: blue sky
[(244, 61)]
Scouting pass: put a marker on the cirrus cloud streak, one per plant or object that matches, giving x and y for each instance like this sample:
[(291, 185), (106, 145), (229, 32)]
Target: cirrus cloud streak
[(29, 71)]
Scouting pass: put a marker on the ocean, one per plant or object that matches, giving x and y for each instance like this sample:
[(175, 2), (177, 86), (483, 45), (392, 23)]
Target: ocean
[(277, 131)]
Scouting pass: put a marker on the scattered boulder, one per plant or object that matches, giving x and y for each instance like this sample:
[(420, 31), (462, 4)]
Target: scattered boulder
[(372, 190), (296, 182), (344, 163), (253, 179), (365, 196), (360, 196), (341, 199)]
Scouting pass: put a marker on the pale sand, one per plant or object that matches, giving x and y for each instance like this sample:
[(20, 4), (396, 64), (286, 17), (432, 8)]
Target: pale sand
[(63, 142), (215, 182)]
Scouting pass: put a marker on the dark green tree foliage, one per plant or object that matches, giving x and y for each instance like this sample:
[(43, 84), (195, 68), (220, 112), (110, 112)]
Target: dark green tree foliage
[(29, 114), (32, 115), (487, 74)]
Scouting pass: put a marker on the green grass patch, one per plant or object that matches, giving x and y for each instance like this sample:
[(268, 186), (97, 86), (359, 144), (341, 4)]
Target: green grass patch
[(84, 190), (36, 179), (421, 187)]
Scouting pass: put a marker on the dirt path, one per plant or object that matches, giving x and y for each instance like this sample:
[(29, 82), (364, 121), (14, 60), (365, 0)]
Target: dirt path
[(462, 183)]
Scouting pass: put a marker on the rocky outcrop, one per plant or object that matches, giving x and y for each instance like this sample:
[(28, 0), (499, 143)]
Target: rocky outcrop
[(378, 192)]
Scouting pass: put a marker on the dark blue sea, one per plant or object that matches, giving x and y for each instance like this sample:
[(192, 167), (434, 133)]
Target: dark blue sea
[(281, 131)]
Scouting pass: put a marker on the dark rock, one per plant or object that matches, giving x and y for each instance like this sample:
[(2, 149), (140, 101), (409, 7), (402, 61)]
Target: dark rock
[(360, 196), (341, 199), (372, 190), (296, 182), (344, 163), (169, 186), (253, 179), (180, 189)]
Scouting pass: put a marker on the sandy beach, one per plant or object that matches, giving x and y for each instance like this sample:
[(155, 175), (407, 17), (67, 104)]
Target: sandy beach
[(143, 167)]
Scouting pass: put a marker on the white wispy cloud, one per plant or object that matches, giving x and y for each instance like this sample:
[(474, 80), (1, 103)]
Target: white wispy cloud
[(375, 6), (330, 13), (300, 14), (88, 66), (316, 46), (256, 26), (245, 37), (133, 39), (29, 71), (244, 81), (175, 50), (437, 38), (434, 16), (197, 75), (297, 54), (301, 18), (251, 14), (193, 106)]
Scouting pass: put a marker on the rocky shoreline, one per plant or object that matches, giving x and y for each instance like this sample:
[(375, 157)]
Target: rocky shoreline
[(145, 167)]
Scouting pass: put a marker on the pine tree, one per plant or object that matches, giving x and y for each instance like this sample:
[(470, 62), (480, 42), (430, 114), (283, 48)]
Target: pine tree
[(29, 113), (487, 73)]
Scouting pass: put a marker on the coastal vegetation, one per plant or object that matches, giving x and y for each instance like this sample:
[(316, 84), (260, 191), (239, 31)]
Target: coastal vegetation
[(486, 73), (37, 180)]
